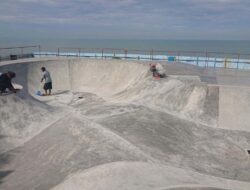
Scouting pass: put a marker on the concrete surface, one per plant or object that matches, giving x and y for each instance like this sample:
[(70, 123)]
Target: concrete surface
[(110, 125)]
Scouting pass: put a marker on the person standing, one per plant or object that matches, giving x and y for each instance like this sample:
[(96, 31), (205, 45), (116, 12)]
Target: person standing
[(48, 82)]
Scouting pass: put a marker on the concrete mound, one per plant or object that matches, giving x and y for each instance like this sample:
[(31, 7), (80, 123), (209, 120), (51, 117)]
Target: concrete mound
[(18, 118)]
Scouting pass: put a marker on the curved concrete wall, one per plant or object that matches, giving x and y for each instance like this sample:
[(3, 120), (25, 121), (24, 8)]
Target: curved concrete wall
[(98, 76), (234, 108)]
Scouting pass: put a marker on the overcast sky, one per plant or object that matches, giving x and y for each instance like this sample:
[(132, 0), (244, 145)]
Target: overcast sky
[(126, 19)]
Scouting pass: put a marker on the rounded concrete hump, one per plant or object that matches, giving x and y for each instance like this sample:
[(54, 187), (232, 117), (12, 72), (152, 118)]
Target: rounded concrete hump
[(195, 188)]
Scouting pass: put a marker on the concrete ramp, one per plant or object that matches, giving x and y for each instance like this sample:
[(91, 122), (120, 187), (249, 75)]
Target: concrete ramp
[(234, 108)]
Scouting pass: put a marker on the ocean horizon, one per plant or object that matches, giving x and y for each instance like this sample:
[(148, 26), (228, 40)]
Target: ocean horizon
[(225, 46)]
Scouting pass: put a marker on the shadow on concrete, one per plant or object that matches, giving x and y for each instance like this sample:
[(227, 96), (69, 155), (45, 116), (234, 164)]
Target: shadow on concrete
[(3, 174), (2, 136), (60, 92), (4, 160)]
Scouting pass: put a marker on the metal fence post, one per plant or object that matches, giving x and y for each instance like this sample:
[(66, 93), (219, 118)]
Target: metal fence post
[(39, 50), (238, 61), (206, 62), (125, 53), (21, 52)]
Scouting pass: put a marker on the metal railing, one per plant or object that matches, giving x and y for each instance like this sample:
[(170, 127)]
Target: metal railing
[(20, 52), (199, 58)]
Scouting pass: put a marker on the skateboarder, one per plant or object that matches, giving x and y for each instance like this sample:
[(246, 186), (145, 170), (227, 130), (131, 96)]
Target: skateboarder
[(153, 70), (157, 70), (5, 82), (48, 82)]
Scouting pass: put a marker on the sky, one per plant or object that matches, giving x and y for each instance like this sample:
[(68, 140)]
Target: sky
[(126, 19)]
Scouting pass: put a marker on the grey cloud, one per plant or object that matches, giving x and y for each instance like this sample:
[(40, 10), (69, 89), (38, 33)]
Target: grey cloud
[(159, 18)]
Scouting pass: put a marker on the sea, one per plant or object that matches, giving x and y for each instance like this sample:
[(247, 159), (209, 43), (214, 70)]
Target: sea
[(225, 46)]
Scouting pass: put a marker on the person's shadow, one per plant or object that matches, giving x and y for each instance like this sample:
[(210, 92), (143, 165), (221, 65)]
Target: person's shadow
[(4, 159)]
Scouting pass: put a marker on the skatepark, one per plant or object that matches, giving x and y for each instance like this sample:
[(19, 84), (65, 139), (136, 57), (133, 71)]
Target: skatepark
[(110, 125)]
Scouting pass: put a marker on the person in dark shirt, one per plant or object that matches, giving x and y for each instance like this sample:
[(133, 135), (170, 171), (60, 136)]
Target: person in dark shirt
[(5, 82), (154, 70)]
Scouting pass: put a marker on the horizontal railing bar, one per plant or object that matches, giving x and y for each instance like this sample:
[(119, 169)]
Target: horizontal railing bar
[(156, 51), (19, 47)]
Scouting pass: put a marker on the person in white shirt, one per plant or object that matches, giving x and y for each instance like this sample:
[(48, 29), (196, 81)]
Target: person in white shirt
[(160, 69), (48, 82), (157, 70)]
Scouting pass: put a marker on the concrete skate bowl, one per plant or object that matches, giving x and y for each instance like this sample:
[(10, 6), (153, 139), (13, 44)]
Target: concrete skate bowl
[(112, 111)]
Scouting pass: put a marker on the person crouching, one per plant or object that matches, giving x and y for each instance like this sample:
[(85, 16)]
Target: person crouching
[(5, 82), (157, 70)]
